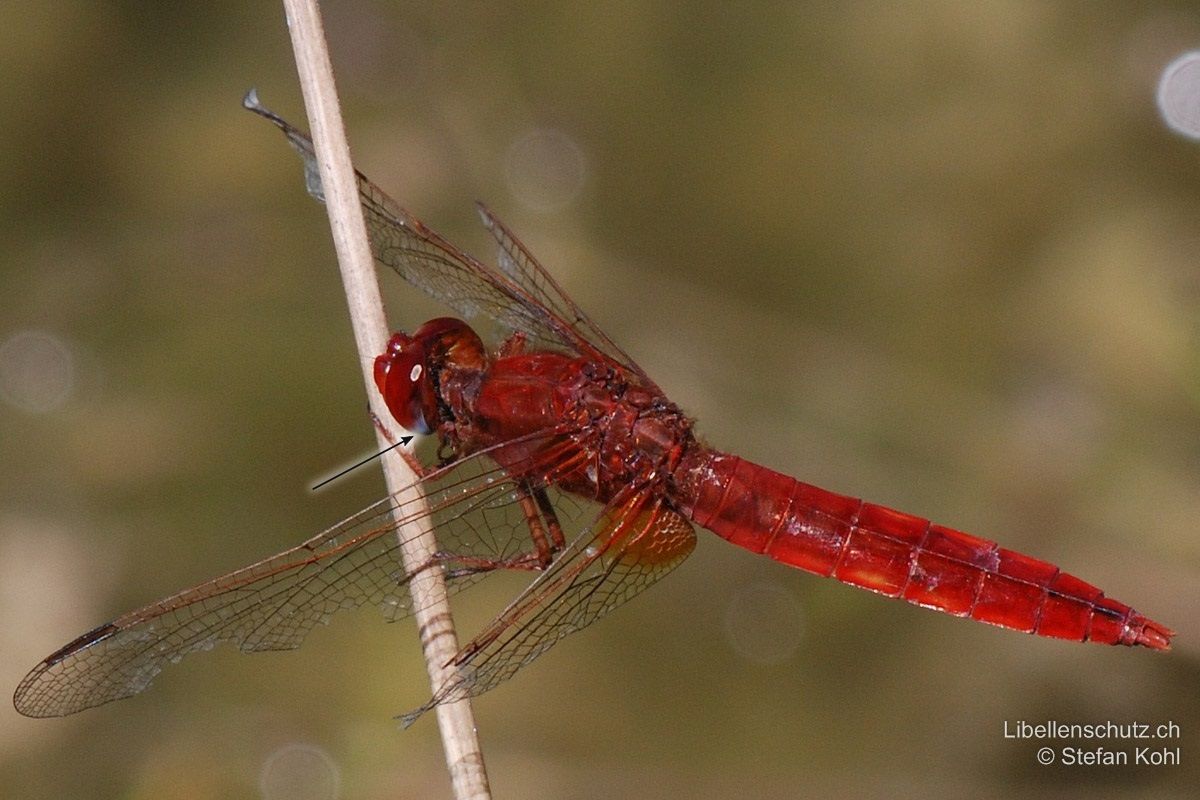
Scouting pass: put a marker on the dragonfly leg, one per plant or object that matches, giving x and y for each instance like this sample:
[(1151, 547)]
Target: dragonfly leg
[(474, 565), (557, 540), (544, 527)]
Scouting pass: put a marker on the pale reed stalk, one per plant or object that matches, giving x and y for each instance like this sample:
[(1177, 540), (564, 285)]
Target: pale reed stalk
[(464, 758)]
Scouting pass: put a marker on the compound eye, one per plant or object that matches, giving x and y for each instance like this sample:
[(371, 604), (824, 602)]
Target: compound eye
[(403, 380)]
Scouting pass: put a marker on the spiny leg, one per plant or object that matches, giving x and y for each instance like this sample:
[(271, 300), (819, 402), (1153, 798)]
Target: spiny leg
[(557, 540), (544, 529), (543, 523)]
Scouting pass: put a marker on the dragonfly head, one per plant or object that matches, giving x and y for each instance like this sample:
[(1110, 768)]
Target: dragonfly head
[(408, 374)]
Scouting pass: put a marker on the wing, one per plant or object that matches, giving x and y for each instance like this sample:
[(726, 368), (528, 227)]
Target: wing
[(518, 263), (272, 605), (521, 298), (632, 543)]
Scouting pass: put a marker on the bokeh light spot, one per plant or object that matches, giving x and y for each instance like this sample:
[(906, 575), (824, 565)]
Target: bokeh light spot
[(37, 371), (299, 772), (545, 169), (764, 623), (1179, 95)]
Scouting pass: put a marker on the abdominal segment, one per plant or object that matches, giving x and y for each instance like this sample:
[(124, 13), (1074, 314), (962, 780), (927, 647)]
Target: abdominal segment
[(902, 556)]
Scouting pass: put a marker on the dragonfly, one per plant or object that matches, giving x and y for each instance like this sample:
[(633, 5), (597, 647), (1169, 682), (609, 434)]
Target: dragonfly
[(559, 457)]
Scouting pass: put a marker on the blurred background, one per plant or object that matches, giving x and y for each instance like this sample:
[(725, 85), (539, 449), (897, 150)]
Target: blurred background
[(940, 255)]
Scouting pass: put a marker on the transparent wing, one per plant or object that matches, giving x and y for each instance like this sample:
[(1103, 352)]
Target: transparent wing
[(522, 299), (518, 263), (632, 544), (272, 605)]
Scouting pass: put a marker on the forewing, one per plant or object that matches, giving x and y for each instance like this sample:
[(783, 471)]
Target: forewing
[(519, 264), (272, 605), (425, 259), (629, 547)]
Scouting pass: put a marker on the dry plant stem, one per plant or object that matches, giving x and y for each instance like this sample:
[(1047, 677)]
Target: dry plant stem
[(432, 611)]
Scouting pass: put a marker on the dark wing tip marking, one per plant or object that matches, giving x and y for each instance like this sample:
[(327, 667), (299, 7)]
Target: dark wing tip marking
[(88, 639), (28, 699)]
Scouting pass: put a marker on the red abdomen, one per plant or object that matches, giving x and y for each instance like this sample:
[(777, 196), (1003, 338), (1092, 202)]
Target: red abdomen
[(899, 555)]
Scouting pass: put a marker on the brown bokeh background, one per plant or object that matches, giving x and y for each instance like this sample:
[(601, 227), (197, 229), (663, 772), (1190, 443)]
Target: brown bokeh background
[(942, 255)]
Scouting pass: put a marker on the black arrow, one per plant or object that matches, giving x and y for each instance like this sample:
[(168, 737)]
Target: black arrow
[(403, 440)]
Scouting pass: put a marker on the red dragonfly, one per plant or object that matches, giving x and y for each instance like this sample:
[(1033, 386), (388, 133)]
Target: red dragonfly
[(560, 456)]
